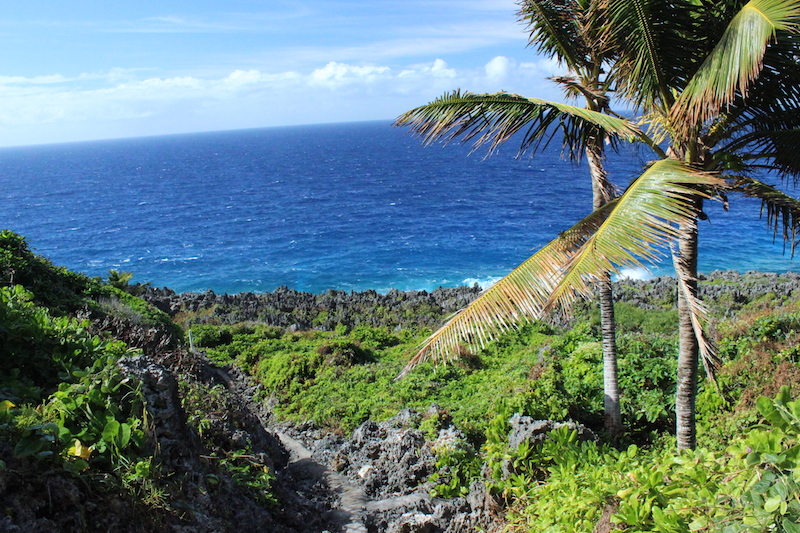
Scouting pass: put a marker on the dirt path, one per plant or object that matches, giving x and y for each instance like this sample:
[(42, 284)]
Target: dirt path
[(352, 502)]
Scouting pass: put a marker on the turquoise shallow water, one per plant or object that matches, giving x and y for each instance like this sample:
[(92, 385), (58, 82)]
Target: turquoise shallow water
[(347, 206)]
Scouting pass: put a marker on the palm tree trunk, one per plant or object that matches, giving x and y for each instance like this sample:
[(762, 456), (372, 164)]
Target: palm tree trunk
[(688, 347), (611, 407), (602, 192)]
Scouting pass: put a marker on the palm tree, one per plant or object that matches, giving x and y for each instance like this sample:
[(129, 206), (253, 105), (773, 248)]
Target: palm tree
[(718, 82), (562, 29), (119, 280)]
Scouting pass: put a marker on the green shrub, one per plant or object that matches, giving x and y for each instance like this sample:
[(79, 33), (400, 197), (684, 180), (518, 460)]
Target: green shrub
[(564, 485), (633, 319), (37, 351), (207, 336), (457, 465), (376, 338), (89, 415)]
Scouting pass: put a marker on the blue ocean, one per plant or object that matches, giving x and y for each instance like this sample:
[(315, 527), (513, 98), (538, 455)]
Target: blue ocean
[(343, 206)]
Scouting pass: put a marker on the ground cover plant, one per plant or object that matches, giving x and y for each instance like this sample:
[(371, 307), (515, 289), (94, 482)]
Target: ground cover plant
[(65, 403), (77, 426), (341, 378), (751, 484), (67, 412)]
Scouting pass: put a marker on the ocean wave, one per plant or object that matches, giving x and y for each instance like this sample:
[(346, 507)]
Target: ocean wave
[(640, 273), (484, 283)]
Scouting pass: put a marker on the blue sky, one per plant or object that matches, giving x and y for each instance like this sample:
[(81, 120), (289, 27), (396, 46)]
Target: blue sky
[(88, 69)]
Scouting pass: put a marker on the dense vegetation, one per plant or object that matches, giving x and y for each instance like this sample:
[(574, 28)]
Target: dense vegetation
[(69, 410), (64, 402), (76, 424), (741, 478)]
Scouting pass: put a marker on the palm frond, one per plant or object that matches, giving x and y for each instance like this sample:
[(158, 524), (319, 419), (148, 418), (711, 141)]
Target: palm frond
[(736, 61), (492, 119), (574, 88), (782, 210), (764, 127), (771, 150), (649, 37), (518, 297), (699, 316), (624, 232), (554, 30), (643, 222)]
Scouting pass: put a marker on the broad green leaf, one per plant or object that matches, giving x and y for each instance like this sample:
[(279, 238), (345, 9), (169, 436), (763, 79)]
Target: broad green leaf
[(29, 445), (51, 428), (76, 466), (772, 504), (784, 396), (111, 430), (767, 409), (64, 433), (761, 487), (750, 521), (124, 435)]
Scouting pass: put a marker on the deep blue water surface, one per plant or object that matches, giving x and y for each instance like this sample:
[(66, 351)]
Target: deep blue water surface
[(346, 206)]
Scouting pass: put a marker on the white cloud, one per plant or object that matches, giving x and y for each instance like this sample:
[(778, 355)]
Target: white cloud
[(437, 69), (545, 67), (36, 80), (117, 104), (338, 74), (498, 68)]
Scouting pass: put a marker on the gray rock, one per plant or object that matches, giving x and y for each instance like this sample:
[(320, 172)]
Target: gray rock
[(525, 428)]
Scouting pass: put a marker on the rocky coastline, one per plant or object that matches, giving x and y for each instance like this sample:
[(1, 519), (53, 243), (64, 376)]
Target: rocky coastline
[(288, 308), (375, 479)]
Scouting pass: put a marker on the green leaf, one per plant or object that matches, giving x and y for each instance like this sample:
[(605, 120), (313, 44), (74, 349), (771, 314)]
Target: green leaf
[(52, 428), (772, 504), (784, 396), (124, 435), (76, 466), (766, 407), (750, 521), (761, 487), (789, 526), (64, 434), (29, 445), (110, 431)]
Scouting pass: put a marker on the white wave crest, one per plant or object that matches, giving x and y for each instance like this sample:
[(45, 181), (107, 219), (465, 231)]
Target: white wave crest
[(482, 283), (640, 273)]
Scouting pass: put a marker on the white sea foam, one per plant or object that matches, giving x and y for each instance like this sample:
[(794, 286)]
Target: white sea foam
[(640, 273), (482, 283), (436, 235)]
